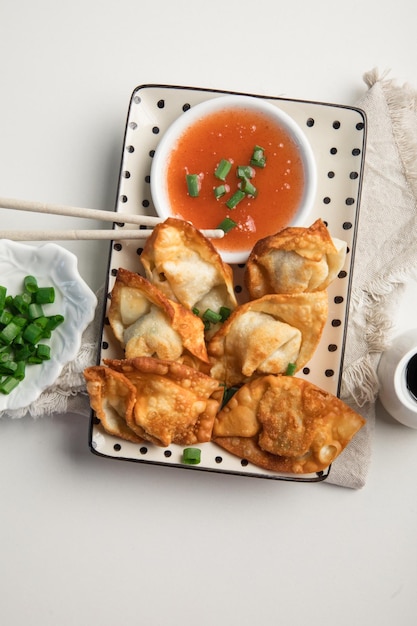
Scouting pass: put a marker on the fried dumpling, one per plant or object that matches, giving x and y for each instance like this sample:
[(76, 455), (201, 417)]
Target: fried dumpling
[(184, 264), (264, 336), (285, 424), (174, 403), (147, 323), (294, 260), (112, 397)]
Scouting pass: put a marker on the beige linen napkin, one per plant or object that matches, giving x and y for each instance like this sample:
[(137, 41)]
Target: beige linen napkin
[(385, 252), (385, 255)]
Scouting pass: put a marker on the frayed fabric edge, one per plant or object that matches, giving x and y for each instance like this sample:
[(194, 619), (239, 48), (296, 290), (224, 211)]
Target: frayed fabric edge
[(360, 379), (360, 382), (402, 104)]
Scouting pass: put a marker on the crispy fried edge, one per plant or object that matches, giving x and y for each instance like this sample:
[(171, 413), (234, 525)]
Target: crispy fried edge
[(98, 374), (177, 373), (189, 327), (248, 447), (194, 239)]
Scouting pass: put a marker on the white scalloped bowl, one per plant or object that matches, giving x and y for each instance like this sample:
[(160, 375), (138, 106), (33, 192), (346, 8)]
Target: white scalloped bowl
[(53, 266), (170, 138)]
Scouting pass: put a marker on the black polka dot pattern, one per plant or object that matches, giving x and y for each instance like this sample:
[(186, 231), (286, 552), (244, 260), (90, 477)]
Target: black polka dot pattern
[(337, 134)]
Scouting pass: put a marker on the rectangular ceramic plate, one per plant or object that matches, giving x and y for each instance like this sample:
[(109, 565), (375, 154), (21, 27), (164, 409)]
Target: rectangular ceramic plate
[(337, 135)]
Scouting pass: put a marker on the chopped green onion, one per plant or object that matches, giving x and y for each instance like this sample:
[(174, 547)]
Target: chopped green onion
[(248, 188), (34, 360), (220, 191), (223, 169), (291, 368), (191, 456), (211, 316), (31, 284), (43, 352), (207, 325), (224, 313), (10, 332), (32, 333), (258, 157), (8, 367), (193, 185), (45, 295), (21, 303), (196, 311), (54, 321), (227, 224), (3, 294), (235, 199), (35, 310), (245, 171), (20, 321), (8, 384), (20, 370), (24, 352), (5, 317), (18, 341), (7, 363), (229, 392), (42, 322)]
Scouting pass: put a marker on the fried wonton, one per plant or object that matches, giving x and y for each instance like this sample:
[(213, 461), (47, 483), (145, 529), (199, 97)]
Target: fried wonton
[(294, 260), (112, 397), (147, 323), (265, 335), (184, 264), (174, 403), (286, 424)]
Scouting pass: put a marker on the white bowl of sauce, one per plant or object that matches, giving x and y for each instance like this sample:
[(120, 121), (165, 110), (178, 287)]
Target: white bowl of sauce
[(229, 131)]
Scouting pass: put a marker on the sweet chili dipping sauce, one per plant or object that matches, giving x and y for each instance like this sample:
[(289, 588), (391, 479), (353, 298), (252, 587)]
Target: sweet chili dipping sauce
[(232, 135)]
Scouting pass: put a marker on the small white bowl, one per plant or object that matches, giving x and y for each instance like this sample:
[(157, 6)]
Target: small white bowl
[(186, 120), (52, 265), (394, 393)]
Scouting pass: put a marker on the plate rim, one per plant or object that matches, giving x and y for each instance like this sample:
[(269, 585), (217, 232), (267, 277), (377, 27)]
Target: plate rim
[(314, 477)]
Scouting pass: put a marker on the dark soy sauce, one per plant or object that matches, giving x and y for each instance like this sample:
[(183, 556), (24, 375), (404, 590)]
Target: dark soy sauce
[(411, 376)]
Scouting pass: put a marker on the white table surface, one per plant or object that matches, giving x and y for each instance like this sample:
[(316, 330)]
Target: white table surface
[(85, 540)]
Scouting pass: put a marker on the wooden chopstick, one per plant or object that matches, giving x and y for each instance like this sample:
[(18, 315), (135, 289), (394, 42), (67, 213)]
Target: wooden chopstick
[(73, 211), (95, 214), (109, 234)]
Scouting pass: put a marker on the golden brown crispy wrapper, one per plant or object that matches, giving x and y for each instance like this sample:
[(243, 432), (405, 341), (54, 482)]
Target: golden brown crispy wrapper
[(286, 424), (294, 260), (174, 403), (263, 336), (112, 397), (147, 323), (184, 264)]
